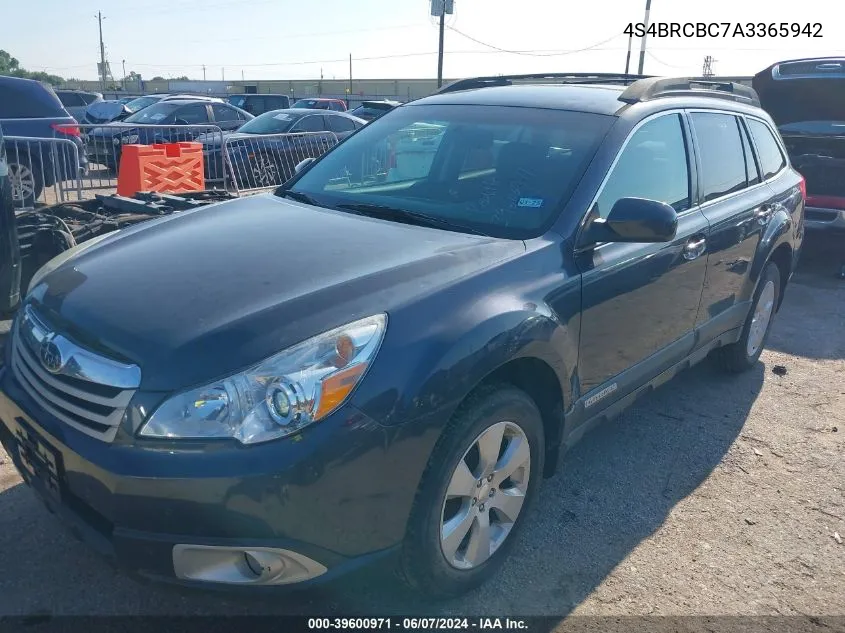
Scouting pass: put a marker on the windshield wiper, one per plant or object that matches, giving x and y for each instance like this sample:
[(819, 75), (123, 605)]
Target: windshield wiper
[(296, 195), (403, 215)]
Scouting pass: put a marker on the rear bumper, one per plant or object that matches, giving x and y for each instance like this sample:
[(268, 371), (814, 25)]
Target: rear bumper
[(821, 219)]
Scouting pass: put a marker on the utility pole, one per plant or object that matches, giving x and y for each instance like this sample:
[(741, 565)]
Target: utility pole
[(350, 80), (223, 74), (102, 53), (628, 58), (242, 75), (645, 35), (203, 72), (440, 49), (124, 74)]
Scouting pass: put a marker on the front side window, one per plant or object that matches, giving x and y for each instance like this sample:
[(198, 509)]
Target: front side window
[(653, 165), (223, 113), (340, 124), (196, 113), (499, 170), (313, 123), (723, 170), (771, 157)]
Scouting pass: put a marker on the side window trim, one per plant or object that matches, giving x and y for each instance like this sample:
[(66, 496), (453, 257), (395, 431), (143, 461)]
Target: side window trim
[(778, 141), (755, 154), (692, 171)]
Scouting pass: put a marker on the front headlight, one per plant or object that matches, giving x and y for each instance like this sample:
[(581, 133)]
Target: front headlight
[(279, 396)]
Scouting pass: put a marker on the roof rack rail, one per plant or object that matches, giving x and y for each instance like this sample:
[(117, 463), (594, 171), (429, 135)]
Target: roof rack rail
[(658, 87), (565, 78)]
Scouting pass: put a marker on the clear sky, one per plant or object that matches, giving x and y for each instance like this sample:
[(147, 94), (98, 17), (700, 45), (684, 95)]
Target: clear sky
[(294, 39)]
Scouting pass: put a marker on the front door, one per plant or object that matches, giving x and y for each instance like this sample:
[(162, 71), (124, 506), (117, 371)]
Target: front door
[(640, 300)]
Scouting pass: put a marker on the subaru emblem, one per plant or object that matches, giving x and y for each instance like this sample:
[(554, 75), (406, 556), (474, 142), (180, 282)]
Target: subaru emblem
[(51, 356)]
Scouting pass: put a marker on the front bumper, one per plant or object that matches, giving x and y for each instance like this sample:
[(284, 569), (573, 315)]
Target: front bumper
[(336, 496), (821, 219)]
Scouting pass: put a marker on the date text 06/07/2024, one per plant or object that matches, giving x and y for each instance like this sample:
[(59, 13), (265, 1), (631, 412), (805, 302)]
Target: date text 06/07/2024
[(724, 29), (417, 624)]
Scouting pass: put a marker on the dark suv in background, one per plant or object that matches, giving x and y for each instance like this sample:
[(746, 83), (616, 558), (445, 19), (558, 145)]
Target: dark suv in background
[(32, 110), (385, 357), (257, 104), (806, 99)]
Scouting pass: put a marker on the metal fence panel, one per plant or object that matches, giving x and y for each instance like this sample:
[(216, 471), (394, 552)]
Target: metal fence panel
[(257, 162), (104, 143), (42, 170)]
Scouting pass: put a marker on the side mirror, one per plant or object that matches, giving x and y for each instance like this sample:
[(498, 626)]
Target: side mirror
[(302, 165), (635, 220)]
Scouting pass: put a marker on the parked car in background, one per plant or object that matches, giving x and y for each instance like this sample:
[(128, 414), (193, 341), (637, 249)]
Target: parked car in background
[(77, 101), (338, 105), (32, 110), (257, 104), (149, 125), (108, 112), (287, 387), (806, 99), (258, 162), (371, 110)]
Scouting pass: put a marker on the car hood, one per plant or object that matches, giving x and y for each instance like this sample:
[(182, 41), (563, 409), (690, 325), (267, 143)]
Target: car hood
[(105, 110), (215, 139), (204, 293)]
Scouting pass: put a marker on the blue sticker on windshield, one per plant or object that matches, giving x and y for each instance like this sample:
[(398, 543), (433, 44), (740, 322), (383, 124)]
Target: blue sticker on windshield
[(533, 203)]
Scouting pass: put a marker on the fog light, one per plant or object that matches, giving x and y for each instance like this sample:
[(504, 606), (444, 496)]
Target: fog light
[(243, 565)]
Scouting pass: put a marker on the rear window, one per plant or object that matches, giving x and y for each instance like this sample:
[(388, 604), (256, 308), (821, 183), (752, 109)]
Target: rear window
[(70, 98), (29, 99), (499, 170), (771, 157)]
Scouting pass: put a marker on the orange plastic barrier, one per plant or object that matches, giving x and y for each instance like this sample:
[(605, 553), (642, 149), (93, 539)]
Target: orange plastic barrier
[(165, 168)]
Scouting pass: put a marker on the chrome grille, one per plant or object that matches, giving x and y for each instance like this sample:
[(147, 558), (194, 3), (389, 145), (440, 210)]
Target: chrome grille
[(82, 389)]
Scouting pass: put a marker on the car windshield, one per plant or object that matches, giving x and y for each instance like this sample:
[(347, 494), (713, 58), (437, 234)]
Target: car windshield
[(156, 113), (275, 122), (502, 171), (140, 103)]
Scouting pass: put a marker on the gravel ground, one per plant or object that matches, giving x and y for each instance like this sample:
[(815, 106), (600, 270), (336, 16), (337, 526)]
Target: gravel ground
[(715, 495)]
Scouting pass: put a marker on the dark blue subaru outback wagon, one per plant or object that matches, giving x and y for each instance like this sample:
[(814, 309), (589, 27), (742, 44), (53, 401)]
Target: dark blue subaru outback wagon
[(387, 355)]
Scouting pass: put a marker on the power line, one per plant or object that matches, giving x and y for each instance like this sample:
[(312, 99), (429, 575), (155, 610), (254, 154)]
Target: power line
[(660, 61), (533, 54)]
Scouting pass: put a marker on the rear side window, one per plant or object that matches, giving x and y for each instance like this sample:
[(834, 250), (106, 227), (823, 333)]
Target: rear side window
[(771, 158), (311, 123), (25, 99), (723, 168), (89, 97), (653, 165)]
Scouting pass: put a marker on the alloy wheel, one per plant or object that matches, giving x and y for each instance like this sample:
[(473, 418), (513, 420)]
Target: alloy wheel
[(761, 318), (485, 495), (22, 180)]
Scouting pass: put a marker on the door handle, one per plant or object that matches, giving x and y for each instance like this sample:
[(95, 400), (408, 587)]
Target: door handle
[(695, 248)]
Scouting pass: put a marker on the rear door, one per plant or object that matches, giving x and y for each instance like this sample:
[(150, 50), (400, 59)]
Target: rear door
[(738, 205), (640, 300)]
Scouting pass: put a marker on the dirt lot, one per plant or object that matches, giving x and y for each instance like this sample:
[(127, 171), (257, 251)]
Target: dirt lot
[(715, 495)]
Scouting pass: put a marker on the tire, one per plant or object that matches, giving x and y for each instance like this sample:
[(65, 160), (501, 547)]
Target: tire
[(26, 179), (425, 565), (744, 354)]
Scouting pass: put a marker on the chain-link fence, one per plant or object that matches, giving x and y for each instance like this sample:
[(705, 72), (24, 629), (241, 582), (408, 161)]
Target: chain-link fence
[(261, 161)]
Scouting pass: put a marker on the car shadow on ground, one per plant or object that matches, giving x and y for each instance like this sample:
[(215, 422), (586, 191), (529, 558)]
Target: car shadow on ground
[(613, 490)]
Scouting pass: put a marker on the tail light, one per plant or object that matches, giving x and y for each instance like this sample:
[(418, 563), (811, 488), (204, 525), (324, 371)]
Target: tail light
[(68, 130), (802, 185)]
